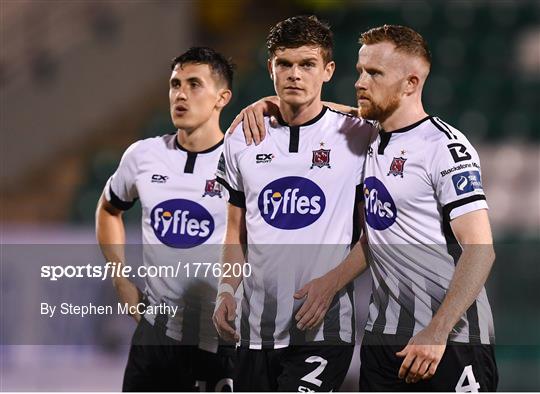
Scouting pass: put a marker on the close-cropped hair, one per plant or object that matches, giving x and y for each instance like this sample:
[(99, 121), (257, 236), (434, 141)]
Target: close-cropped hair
[(404, 38), (219, 64), (301, 31)]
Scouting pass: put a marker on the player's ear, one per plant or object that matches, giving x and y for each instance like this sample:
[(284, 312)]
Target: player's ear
[(412, 83), (270, 69), (329, 69), (224, 97)]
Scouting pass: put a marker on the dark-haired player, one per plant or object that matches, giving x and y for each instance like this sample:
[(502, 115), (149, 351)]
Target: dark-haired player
[(183, 214), (430, 326), (292, 201)]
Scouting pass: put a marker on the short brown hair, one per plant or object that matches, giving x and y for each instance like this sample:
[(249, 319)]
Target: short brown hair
[(404, 38), (299, 31)]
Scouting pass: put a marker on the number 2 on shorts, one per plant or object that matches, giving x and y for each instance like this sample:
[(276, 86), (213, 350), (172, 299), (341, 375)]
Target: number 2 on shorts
[(312, 376)]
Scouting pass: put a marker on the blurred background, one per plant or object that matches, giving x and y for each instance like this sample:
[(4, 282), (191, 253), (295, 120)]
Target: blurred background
[(81, 80)]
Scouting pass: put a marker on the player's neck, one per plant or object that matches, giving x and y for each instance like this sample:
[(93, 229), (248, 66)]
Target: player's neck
[(295, 116), (403, 116), (199, 139)]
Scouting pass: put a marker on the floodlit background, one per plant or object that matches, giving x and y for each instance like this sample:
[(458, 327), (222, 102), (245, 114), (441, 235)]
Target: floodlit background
[(81, 80)]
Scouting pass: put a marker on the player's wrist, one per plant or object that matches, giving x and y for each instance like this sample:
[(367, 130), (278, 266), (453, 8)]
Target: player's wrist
[(441, 327), (225, 288)]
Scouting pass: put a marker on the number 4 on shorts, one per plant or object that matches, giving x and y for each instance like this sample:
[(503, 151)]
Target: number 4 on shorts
[(472, 386)]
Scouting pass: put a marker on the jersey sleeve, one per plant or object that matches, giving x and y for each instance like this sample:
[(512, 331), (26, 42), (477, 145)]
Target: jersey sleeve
[(228, 173), (457, 177), (120, 190)]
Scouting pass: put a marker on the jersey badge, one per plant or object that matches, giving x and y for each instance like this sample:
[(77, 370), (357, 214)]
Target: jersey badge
[(397, 166), (212, 188), (321, 157), (467, 182)]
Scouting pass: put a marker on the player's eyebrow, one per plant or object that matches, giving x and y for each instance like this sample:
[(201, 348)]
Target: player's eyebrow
[(194, 79), (368, 69)]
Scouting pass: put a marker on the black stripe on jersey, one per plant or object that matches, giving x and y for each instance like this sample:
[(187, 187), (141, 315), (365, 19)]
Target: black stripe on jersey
[(269, 313), (211, 149), (296, 336), (398, 131), (190, 162), (350, 293), (446, 126), (452, 244), (383, 295), (294, 131), (358, 198), (236, 198), (191, 321), (406, 307), (294, 138), (118, 203), (331, 320), (448, 208), (385, 139), (474, 326), (445, 130)]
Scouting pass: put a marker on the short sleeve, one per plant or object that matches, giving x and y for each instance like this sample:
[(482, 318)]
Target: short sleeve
[(120, 190), (457, 177), (228, 173)]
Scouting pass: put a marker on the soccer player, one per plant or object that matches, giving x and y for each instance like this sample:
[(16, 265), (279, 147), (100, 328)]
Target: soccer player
[(292, 201), (183, 214), (430, 326)]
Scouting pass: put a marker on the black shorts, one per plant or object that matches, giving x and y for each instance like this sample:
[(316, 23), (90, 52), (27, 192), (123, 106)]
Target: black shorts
[(159, 363), (295, 368), (461, 365)]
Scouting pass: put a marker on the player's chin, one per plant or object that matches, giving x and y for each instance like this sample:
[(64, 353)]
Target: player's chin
[(181, 123), (367, 111), (295, 99)]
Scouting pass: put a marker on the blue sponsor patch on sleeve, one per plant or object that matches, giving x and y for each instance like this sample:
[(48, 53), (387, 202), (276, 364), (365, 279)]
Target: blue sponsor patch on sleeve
[(466, 182)]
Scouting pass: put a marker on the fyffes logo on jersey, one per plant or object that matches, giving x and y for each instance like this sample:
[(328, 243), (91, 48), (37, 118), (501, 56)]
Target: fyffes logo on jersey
[(181, 223), (291, 203), (379, 206)]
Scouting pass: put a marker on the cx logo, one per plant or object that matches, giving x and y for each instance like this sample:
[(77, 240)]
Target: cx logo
[(459, 152), (157, 178), (264, 158)]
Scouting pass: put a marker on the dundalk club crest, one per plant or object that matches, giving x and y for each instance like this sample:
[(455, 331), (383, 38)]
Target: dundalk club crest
[(321, 157), (397, 166), (212, 188)]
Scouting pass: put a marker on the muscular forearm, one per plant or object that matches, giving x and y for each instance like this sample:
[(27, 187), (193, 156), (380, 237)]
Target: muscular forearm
[(233, 254), (470, 276), (234, 245), (354, 264)]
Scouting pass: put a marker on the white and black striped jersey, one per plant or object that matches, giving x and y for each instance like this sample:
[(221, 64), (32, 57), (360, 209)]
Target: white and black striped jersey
[(298, 187), (417, 179), (183, 220)]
